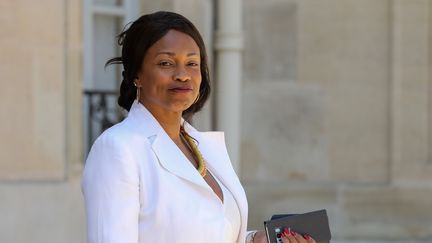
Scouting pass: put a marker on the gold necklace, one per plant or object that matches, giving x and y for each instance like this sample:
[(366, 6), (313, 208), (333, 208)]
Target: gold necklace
[(194, 148)]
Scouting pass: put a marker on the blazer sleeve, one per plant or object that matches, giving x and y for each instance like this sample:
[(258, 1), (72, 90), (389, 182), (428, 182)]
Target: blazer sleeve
[(110, 185)]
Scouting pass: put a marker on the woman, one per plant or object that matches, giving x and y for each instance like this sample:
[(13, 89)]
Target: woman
[(153, 177)]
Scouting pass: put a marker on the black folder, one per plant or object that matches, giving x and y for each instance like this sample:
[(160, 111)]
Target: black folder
[(314, 224)]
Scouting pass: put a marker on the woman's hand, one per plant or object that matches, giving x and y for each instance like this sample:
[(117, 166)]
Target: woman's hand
[(260, 237), (288, 236)]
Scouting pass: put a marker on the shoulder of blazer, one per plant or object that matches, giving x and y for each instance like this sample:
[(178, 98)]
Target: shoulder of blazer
[(215, 137), (120, 139), (121, 132)]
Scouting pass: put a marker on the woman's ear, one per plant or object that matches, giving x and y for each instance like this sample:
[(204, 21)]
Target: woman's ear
[(137, 82)]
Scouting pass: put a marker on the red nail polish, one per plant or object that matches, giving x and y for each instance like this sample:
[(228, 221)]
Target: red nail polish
[(293, 233), (307, 237), (286, 232)]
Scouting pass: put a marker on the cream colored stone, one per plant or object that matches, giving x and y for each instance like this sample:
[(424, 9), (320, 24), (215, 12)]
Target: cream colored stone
[(74, 89), (412, 82), (282, 133), (371, 62), (344, 49), (149, 6), (33, 134), (49, 212), (271, 38), (383, 212)]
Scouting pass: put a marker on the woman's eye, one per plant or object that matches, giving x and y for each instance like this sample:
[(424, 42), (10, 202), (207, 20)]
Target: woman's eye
[(193, 64), (165, 63)]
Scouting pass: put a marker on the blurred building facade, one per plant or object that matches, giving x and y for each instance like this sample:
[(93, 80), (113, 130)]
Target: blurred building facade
[(336, 110)]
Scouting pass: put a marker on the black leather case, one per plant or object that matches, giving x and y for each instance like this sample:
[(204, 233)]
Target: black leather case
[(314, 224)]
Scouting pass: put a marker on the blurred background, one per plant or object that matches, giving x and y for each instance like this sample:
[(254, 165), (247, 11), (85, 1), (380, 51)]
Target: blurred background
[(325, 104)]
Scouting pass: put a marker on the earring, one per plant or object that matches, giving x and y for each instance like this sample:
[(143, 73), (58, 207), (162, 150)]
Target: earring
[(138, 88)]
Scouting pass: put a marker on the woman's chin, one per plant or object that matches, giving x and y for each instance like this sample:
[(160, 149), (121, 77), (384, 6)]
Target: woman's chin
[(181, 105), (177, 108)]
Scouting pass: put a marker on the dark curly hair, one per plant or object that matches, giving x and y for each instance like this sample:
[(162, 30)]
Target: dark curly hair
[(139, 37)]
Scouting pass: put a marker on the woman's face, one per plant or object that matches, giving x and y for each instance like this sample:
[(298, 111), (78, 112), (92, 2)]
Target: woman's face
[(170, 75)]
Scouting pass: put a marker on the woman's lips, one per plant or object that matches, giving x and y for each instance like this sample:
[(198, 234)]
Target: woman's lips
[(181, 90)]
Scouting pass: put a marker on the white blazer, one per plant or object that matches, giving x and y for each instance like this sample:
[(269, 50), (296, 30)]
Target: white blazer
[(139, 187)]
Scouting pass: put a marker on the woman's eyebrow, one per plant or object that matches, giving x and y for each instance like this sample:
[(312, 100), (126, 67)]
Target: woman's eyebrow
[(173, 54)]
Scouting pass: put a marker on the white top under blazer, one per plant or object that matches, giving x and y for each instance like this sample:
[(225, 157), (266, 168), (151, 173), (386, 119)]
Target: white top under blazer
[(231, 214), (140, 188)]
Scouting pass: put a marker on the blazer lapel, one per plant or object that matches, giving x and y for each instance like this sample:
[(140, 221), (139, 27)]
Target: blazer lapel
[(173, 160), (212, 146), (169, 155)]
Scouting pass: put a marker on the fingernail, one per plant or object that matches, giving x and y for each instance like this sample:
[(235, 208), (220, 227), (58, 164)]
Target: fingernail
[(307, 237), (286, 232), (293, 233)]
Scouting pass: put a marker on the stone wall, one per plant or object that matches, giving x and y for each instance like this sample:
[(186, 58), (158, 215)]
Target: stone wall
[(40, 129), (349, 127), (32, 64)]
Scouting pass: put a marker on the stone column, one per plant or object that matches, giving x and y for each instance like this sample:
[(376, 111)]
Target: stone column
[(229, 46)]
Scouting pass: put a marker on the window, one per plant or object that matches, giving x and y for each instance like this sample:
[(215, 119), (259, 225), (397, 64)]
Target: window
[(103, 21)]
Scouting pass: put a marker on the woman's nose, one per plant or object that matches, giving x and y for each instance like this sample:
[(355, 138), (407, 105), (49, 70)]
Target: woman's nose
[(181, 74)]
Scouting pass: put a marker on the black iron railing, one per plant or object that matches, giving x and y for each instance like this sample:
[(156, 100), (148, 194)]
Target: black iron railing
[(101, 112)]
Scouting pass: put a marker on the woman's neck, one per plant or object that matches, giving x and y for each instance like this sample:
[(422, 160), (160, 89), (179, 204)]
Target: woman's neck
[(170, 121), (171, 125)]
